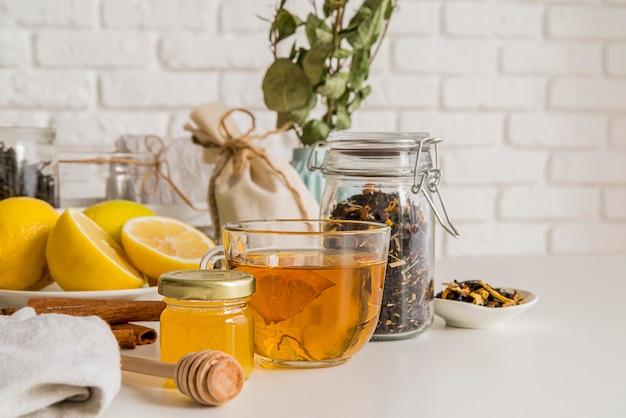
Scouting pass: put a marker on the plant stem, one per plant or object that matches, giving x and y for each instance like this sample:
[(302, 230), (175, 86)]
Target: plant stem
[(328, 117), (274, 32), (338, 28), (394, 5)]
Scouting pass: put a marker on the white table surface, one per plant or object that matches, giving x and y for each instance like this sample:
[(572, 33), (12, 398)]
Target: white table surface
[(565, 357)]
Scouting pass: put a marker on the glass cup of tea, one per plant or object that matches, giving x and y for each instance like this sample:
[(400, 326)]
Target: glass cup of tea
[(319, 285)]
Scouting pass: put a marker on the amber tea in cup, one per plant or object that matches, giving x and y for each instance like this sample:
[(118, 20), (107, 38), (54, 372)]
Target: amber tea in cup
[(318, 286)]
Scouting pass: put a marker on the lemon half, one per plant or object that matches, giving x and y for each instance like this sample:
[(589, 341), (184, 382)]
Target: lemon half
[(158, 244), (82, 256)]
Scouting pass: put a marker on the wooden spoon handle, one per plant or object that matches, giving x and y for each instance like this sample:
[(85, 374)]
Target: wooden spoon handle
[(147, 366)]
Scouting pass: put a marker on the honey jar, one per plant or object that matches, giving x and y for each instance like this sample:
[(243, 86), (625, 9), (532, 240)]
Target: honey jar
[(207, 310)]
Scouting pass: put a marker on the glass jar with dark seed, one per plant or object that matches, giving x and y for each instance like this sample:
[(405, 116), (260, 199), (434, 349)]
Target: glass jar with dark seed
[(26, 163), (391, 178)]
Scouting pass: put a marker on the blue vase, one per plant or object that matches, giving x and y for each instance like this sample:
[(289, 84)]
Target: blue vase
[(313, 180)]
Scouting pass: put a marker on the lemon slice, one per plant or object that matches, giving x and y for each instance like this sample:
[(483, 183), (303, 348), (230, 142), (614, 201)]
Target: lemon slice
[(82, 256), (158, 244), (281, 295)]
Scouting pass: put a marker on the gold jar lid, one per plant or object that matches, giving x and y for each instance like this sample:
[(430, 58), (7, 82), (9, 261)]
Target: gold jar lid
[(206, 284)]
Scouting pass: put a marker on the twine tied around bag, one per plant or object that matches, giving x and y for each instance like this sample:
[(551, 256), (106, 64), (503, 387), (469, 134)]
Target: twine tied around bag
[(239, 149), (160, 168)]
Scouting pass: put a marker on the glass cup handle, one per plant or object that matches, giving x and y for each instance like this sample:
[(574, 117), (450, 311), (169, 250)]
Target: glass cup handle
[(211, 258)]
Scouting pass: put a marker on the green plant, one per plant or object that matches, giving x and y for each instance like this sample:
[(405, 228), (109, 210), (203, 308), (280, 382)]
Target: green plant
[(331, 70)]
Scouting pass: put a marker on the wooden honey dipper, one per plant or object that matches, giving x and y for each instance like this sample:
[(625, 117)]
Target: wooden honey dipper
[(209, 377)]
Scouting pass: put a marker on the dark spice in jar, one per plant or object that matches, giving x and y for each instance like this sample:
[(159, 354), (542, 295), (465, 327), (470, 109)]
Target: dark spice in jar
[(409, 288), (25, 181), (8, 172)]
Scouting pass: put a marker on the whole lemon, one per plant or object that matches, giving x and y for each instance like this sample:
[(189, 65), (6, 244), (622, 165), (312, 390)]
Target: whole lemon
[(81, 256), (25, 224), (111, 215)]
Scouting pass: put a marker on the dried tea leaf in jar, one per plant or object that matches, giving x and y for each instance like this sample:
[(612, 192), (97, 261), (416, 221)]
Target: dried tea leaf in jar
[(390, 179)]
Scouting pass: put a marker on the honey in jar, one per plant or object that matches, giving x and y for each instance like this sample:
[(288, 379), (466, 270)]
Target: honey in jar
[(207, 310)]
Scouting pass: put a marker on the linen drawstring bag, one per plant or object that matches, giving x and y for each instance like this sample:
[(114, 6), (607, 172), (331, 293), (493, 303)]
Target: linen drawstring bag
[(246, 183)]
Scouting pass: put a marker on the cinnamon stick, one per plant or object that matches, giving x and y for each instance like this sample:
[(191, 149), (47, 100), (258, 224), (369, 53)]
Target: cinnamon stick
[(132, 335), (125, 338), (9, 310), (111, 311)]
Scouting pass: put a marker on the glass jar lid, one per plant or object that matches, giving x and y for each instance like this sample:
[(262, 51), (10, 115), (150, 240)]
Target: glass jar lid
[(388, 155), (12, 134), (206, 284), (376, 154)]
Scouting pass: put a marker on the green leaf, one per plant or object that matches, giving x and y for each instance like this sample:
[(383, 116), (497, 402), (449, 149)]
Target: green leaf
[(285, 86), (342, 53), (360, 96), (324, 36), (359, 70), (312, 24), (285, 24), (368, 22), (344, 99), (281, 119), (300, 55), (388, 10), (343, 118), (331, 5), (292, 52), (313, 131), (299, 116), (333, 87), (314, 61)]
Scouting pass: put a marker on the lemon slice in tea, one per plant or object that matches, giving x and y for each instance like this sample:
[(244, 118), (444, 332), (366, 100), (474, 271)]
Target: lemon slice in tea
[(280, 293)]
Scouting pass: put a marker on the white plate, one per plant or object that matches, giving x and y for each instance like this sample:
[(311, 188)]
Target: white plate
[(467, 315), (19, 298)]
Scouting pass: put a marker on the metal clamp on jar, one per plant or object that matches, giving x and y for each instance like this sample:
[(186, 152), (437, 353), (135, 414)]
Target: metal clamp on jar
[(391, 178)]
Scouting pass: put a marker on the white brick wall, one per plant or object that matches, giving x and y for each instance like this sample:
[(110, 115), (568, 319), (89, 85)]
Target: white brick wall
[(493, 93), (159, 14), (35, 89), (150, 89), (530, 97), (616, 59), (48, 14), (75, 49), (14, 48)]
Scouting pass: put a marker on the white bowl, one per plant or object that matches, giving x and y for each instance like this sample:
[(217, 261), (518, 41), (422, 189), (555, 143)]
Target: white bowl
[(19, 298), (467, 315)]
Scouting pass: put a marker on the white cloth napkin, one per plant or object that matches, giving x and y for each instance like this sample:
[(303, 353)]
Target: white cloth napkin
[(56, 365)]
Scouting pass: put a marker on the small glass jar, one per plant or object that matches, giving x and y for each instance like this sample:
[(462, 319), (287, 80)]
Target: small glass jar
[(26, 169), (86, 177), (207, 310), (391, 178)]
